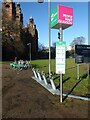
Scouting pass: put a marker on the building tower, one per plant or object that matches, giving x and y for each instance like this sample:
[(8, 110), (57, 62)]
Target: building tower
[(19, 15), (31, 26), (34, 37), (24, 35), (9, 8)]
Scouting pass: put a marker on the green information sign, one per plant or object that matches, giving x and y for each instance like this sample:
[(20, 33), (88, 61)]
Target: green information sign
[(60, 57), (54, 17)]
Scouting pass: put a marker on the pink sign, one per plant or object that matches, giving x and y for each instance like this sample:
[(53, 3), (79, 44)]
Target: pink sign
[(65, 15)]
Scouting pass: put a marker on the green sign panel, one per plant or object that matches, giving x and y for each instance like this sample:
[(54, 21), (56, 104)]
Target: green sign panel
[(54, 17)]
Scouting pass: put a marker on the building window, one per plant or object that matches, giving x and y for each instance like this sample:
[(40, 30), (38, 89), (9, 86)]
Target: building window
[(7, 6), (17, 17)]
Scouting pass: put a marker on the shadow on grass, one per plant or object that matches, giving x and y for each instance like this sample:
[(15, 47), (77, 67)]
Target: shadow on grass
[(81, 78), (35, 66), (72, 89), (63, 82), (56, 77), (71, 68), (66, 79), (84, 76)]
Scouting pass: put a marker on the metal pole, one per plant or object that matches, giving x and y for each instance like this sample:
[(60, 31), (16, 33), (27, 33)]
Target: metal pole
[(77, 71), (88, 37), (61, 76), (30, 52), (49, 19), (88, 70), (49, 38), (61, 92), (61, 36)]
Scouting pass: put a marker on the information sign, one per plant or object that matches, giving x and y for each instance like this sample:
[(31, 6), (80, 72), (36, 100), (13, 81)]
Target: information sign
[(61, 16), (82, 53), (60, 57)]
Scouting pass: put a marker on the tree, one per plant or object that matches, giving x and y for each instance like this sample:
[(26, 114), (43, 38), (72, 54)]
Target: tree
[(78, 41), (53, 50), (41, 47), (11, 44), (42, 51), (0, 19)]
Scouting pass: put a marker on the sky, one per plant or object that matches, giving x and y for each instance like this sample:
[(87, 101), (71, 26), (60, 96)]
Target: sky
[(39, 11)]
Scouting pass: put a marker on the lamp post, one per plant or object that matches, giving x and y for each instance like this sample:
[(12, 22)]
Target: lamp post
[(12, 37), (29, 51), (49, 35), (40, 1), (49, 38)]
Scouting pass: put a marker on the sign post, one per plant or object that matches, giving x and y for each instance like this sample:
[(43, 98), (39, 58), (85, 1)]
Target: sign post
[(77, 71), (88, 68), (61, 88), (60, 62), (61, 76), (82, 55), (61, 18)]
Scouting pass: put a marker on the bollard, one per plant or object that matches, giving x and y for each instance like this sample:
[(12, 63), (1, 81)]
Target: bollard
[(39, 76), (52, 84), (35, 74), (44, 78)]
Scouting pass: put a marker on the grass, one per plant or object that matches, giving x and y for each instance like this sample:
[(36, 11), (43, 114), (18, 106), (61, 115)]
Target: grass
[(5, 62), (70, 82)]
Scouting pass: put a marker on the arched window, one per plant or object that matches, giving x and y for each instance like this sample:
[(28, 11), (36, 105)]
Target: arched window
[(17, 16), (7, 6)]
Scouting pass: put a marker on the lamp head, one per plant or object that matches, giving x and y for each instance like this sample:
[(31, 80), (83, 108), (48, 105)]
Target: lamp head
[(40, 1)]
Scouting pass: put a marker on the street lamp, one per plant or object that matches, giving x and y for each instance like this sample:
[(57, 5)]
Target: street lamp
[(49, 37), (29, 50), (40, 1)]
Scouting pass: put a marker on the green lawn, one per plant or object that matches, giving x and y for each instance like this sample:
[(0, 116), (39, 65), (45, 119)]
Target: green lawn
[(70, 82), (5, 62)]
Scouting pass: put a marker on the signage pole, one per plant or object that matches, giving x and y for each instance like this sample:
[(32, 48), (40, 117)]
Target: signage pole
[(78, 71), (61, 38), (61, 92), (61, 87), (88, 65)]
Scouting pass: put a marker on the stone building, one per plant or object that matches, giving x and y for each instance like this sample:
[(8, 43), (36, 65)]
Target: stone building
[(13, 10), (28, 34), (31, 36), (31, 27)]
